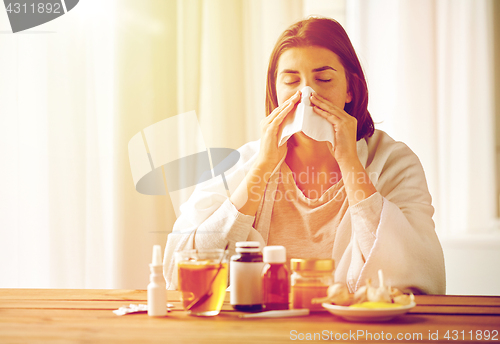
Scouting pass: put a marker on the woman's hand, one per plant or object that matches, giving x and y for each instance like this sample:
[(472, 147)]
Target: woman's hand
[(250, 192), (345, 129), (358, 187), (270, 154)]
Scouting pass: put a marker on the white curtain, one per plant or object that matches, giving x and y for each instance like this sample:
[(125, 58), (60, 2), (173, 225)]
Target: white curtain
[(429, 65), (74, 91), (56, 109)]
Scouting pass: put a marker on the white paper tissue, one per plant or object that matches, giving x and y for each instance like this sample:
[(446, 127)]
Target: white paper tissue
[(306, 120)]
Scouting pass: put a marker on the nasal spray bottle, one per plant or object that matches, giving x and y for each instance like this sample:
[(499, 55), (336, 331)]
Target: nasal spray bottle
[(157, 288)]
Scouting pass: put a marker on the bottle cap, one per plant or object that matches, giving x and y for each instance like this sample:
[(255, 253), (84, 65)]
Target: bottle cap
[(312, 264), (156, 261), (247, 246), (274, 254)]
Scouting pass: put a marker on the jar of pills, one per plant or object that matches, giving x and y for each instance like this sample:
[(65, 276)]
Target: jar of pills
[(245, 277), (310, 279)]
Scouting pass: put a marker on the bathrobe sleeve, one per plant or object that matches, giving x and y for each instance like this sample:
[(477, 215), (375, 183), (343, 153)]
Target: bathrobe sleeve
[(393, 229), (209, 219)]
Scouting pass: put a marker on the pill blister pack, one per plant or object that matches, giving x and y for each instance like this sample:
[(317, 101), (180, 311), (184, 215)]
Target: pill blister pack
[(132, 308)]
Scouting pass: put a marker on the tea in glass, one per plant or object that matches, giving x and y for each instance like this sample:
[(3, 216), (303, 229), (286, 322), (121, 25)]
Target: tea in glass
[(202, 276)]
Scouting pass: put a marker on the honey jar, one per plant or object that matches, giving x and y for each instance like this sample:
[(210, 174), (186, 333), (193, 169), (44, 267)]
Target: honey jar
[(310, 279)]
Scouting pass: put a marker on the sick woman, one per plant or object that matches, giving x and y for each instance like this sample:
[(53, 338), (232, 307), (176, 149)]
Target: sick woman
[(361, 198)]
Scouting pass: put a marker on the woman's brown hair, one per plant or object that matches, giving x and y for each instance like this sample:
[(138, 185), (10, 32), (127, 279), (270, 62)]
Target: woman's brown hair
[(329, 34)]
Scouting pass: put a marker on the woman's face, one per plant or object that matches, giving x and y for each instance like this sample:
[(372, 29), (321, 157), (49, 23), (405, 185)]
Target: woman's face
[(313, 66)]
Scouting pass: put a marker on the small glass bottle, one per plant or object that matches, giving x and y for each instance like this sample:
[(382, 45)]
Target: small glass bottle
[(275, 278), (245, 277), (310, 279)]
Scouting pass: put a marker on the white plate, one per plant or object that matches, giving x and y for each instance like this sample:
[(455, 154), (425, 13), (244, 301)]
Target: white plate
[(364, 314)]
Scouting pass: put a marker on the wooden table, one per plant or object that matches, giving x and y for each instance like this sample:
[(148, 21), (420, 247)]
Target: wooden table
[(85, 316)]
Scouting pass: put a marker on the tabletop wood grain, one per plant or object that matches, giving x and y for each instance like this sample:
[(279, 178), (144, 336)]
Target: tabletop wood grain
[(85, 316)]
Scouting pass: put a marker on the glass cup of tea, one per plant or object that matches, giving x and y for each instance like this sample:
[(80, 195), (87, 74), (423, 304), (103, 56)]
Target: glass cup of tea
[(202, 279)]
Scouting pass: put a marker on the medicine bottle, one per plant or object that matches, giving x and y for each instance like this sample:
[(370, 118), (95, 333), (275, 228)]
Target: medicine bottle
[(310, 279), (157, 287), (245, 277), (275, 278)]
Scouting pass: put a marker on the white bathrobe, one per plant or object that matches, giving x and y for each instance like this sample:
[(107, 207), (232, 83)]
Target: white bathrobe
[(391, 230)]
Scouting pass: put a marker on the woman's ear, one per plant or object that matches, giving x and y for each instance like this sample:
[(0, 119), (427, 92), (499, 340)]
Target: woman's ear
[(350, 78), (349, 97)]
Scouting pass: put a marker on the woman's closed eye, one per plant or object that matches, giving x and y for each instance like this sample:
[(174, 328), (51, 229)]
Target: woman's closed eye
[(291, 82), (324, 76), (291, 79)]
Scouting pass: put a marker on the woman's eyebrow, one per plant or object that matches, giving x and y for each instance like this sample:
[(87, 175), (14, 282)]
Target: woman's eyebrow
[(287, 71), (320, 69)]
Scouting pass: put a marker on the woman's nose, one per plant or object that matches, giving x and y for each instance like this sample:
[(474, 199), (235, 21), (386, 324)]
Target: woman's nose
[(305, 83)]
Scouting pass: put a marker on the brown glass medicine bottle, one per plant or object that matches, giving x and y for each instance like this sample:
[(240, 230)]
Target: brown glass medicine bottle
[(275, 278)]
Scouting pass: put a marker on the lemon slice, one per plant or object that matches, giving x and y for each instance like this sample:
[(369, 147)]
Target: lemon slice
[(375, 305)]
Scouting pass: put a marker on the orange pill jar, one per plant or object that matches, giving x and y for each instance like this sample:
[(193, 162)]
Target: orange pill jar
[(310, 279)]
